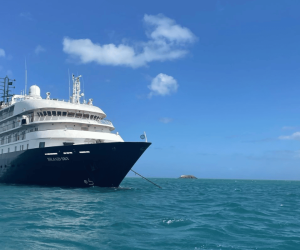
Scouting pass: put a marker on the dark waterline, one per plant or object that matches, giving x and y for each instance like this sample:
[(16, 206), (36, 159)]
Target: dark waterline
[(185, 214)]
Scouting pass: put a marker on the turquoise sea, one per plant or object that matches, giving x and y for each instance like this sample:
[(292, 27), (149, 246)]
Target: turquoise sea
[(184, 214)]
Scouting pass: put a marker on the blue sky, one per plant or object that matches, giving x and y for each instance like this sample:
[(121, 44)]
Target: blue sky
[(215, 84)]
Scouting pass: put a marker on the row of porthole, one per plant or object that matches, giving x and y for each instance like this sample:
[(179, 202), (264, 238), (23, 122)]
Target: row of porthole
[(81, 152), (69, 153)]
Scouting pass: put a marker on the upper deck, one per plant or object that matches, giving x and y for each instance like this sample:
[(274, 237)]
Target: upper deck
[(29, 104), (33, 103), (29, 121)]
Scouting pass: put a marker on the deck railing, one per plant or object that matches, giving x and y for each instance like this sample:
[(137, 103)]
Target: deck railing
[(68, 118), (53, 99), (14, 124)]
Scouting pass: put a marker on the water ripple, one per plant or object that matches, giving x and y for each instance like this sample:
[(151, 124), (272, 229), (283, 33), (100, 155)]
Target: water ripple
[(185, 214)]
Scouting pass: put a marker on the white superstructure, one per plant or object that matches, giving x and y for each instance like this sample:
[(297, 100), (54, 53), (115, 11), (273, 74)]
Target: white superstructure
[(28, 121)]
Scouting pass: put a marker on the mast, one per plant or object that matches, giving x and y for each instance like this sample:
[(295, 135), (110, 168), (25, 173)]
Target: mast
[(6, 85), (25, 77), (76, 90)]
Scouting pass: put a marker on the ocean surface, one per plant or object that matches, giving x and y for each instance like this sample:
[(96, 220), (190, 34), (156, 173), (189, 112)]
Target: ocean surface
[(184, 214)]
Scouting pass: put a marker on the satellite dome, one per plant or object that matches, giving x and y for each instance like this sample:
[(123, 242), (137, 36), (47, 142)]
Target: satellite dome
[(35, 91)]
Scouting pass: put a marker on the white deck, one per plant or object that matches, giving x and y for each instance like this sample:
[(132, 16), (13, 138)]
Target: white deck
[(30, 122)]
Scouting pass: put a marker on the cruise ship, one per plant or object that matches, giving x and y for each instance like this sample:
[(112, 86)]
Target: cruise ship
[(61, 143)]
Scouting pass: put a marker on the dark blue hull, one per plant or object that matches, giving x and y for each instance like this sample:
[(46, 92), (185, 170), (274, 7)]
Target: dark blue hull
[(105, 165)]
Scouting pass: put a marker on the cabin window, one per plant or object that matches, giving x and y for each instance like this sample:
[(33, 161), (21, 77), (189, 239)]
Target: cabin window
[(7, 152), (31, 115), (71, 114), (36, 129), (58, 113), (15, 148), (23, 135), (38, 113), (42, 144), (11, 110), (92, 117), (78, 115), (9, 139), (2, 140), (49, 113), (64, 113), (45, 113), (86, 116), (41, 114), (54, 113), (5, 113)]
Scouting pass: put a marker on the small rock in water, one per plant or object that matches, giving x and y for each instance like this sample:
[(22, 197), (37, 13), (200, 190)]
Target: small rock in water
[(188, 177)]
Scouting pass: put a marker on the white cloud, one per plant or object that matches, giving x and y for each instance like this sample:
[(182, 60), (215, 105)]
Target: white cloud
[(167, 29), (165, 120), (294, 136), (163, 84), (39, 49), (167, 41), (26, 15), (2, 53)]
